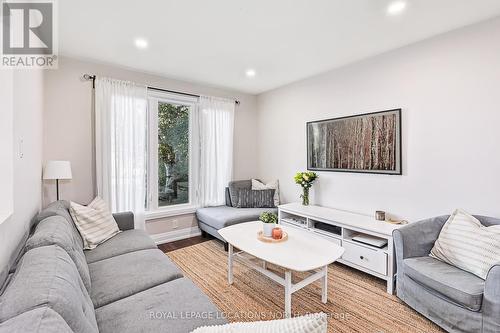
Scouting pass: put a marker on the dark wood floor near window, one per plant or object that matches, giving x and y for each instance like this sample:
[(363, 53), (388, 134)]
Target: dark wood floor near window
[(172, 246)]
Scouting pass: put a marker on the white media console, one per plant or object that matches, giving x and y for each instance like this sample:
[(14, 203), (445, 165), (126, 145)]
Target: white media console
[(373, 260)]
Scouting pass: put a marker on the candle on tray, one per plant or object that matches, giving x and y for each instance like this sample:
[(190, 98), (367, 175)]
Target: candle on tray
[(277, 233)]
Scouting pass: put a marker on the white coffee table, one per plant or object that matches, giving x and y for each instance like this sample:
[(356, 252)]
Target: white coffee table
[(302, 252)]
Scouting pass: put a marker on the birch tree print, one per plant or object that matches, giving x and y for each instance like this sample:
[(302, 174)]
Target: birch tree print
[(368, 142)]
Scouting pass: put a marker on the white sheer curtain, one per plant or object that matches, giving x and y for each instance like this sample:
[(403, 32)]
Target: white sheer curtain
[(121, 145), (213, 162)]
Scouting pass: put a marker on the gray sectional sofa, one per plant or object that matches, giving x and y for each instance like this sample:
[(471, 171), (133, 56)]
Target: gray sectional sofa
[(454, 299), (125, 284), (211, 219)]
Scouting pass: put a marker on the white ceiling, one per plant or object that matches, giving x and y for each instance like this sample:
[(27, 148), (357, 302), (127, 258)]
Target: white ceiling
[(215, 42)]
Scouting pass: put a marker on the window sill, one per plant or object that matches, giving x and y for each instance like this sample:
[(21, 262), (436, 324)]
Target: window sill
[(170, 211)]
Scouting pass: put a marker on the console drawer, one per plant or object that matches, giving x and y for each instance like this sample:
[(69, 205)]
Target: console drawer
[(371, 259)]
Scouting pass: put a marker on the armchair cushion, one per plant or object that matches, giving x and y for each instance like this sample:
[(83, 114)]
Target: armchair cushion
[(466, 243), (459, 286)]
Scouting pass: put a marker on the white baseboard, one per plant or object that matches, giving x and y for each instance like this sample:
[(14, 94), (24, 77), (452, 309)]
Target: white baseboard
[(175, 235)]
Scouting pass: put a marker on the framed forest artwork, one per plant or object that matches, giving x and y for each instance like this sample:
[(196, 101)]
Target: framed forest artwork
[(366, 143)]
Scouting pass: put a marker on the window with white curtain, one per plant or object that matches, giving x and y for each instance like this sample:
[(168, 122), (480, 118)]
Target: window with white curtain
[(121, 123), (158, 152), (170, 179), (190, 153)]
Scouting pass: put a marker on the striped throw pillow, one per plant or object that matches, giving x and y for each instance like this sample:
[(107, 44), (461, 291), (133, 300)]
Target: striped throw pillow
[(272, 185), (255, 198), (465, 243), (311, 323), (94, 222)]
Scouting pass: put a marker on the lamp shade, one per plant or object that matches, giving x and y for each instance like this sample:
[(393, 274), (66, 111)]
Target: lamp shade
[(57, 170)]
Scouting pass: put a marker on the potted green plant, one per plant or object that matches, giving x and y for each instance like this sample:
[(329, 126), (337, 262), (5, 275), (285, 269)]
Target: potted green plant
[(269, 221), (305, 179)]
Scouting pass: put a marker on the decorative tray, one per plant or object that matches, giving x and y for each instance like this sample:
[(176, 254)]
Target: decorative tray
[(262, 238)]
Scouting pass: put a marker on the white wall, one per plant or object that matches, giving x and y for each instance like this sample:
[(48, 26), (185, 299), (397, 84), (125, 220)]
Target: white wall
[(27, 104), (68, 131), (6, 144), (449, 90)]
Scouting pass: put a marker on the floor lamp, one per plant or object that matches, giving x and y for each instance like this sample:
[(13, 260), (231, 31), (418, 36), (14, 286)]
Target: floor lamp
[(57, 170)]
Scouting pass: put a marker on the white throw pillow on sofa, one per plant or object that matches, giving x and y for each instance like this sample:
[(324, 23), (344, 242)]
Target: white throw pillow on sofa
[(272, 185), (95, 222), (314, 323), (467, 244)]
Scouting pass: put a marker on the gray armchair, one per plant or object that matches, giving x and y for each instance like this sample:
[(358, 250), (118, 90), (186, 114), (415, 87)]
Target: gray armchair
[(456, 300)]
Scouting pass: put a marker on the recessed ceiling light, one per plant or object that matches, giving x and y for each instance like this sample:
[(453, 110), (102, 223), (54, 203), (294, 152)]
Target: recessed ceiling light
[(250, 72), (141, 43), (396, 7)]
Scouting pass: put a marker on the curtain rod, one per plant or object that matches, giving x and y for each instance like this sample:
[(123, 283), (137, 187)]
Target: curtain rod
[(89, 77)]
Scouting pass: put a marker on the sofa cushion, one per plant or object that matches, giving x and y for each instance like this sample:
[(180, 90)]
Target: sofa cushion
[(127, 274), (46, 276), (95, 222), (124, 242), (39, 320), (55, 230), (223, 216), (235, 187), (256, 199), (60, 208), (272, 185), (459, 286), (178, 306), (228, 197)]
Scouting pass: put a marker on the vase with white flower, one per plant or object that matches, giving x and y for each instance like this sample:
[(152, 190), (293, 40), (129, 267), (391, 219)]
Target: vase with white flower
[(305, 180)]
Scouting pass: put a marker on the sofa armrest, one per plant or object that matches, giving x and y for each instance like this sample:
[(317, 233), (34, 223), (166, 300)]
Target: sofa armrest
[(124, 220), (491, 301)]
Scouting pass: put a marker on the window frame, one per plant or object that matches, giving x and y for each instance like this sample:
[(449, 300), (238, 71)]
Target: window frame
[(153, 210)]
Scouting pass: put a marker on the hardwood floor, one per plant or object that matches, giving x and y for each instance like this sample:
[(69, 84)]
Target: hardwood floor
[(172, 246)]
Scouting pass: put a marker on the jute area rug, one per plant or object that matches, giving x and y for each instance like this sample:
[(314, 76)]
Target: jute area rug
[(357, 302)]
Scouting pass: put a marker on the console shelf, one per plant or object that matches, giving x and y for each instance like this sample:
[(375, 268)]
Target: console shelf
[(340, 227)]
